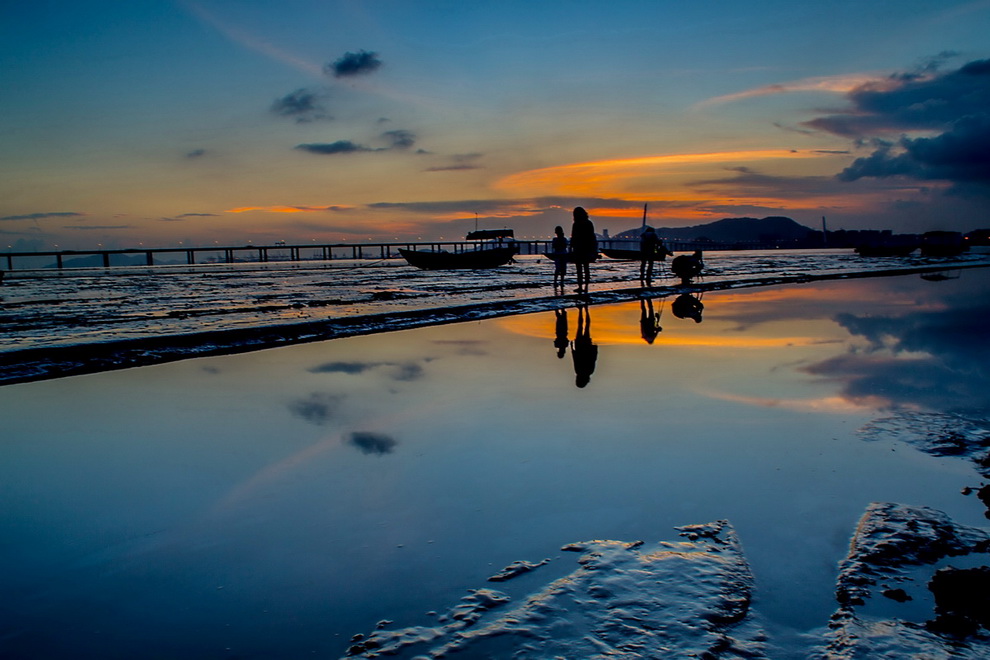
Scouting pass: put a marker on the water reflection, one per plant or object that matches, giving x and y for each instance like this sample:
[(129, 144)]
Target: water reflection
[(687, 306), (561, 340), (936, 359), (584, 351), (746, 417), (318, 408), (377, 444), (649, 320)]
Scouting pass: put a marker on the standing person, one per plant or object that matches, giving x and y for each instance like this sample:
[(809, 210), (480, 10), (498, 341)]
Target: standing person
[(649, 244), (558, 250), (584, 246)]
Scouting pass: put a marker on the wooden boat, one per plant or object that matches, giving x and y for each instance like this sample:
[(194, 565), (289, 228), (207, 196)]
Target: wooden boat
[(621, 254), (498, 250), (568, 257), (492, 257)]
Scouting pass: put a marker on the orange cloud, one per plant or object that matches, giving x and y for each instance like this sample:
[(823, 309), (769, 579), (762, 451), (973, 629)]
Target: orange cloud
[(288, 209), (610, 178)]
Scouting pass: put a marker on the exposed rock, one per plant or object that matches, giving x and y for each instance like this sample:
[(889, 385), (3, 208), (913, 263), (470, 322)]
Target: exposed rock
[(673, 599), (890, 539)]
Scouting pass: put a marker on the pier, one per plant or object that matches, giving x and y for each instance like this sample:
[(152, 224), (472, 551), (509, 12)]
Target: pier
[(132, 257)]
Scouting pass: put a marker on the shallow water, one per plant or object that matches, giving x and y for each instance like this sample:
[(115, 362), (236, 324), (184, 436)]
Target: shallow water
[(44, 308), (273, 504)]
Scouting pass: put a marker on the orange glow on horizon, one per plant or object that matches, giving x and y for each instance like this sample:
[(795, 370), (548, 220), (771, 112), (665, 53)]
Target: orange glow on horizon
[(672, 178), (288, 209)]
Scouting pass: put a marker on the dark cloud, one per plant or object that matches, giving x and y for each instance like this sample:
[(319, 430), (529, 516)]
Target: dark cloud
[(912, 101), (960, 155), (400, 139), (39, 216), (198, 215), (458, 162), (353, 64), (303, 105), (92, 227), (196, 153), (332, 148), (955, 106), (372, 443), (318, 408)]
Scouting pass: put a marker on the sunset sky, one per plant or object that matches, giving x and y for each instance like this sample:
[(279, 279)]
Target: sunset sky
[(158, 121)]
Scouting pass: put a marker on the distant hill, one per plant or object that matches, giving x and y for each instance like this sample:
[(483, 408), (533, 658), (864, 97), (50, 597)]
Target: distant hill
[(733, 230)]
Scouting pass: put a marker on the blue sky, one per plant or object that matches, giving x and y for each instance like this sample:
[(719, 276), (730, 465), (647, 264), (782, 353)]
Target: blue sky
[(156, 122)]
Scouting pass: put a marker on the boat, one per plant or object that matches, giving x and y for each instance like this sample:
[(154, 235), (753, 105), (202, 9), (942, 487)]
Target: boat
[(568, 257), (622, 254), (471, 259), (488, 255), (943, 244), (900, 245)]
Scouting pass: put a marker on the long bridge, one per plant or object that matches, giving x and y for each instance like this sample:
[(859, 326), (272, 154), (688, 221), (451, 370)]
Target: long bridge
[(145, 256)]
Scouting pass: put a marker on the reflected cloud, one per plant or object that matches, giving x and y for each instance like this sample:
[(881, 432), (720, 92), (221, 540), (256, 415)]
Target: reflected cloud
[(831, 404), (930, 359), (403, 371), (318, 409), (465, 346), (344, 367), (372, 443)]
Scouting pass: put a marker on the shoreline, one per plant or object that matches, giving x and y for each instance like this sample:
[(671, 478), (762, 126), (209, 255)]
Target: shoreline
[(45, 363)]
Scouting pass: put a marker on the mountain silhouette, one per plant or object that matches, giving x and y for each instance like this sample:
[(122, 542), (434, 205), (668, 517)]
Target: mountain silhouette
[(733, 230)]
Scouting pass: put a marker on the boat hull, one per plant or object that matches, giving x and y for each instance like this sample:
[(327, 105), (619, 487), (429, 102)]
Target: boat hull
[(621, 254), (471, 260)]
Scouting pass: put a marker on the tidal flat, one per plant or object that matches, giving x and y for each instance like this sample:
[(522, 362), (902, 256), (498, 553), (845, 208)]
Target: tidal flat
[(282, 502)]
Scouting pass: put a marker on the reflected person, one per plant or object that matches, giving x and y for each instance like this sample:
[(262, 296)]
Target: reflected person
[(561, 341), (583, 349), (649, 321)]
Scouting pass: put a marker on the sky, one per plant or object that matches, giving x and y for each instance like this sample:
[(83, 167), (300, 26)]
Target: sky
[(200, 122)]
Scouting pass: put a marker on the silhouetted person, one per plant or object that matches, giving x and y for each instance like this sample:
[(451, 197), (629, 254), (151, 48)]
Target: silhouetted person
[(687, 266), (583, 349), (687, 306), (558, 250), (649, 321), (651, 249), (560, 340), (584, 247)]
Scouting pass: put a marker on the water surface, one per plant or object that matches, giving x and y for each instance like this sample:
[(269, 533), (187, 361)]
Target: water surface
[(272, 504)]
